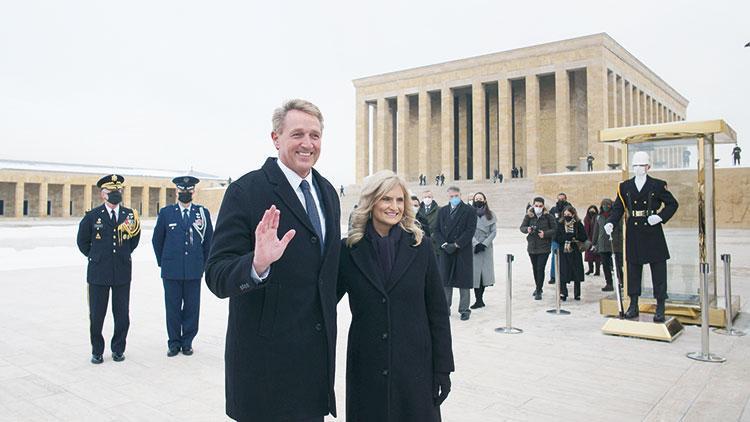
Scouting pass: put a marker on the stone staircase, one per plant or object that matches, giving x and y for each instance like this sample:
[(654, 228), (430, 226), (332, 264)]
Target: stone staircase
[(507, 200)]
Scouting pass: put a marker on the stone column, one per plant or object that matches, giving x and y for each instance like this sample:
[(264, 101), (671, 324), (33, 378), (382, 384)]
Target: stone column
[(636, 106), (479, 147), (562, 119), (361, 139), (596, 108), (402, 123), (446, 132), (424, 143), (504, 109), (162, 199), (532, 127), (126, 197), (43, 192), (622, 119), (382, 136), (65, 212), (146, 198), (86, 197), (18, 206)]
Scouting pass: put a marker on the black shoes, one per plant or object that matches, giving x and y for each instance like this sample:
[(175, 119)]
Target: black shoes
[(464, 317), (608, 288), (97, 359), (632, 312), (659, 315), (118, 357), (478, 304), (563, 298), (589, 272), (187, 351), (577, 298), (537, 295), (551, 281), (173, 352)]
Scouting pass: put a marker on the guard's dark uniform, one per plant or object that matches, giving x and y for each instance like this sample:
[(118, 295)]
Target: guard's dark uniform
[(645, 244), (181, 246), (108, 245)]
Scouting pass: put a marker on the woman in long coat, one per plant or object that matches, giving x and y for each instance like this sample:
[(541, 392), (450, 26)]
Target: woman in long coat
[(570, 234), (484, 235), (399, 353), (592, 258)]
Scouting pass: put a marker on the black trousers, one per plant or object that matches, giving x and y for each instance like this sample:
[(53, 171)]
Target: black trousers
[(538, 263), (658, 278), (182, 299), (98, 301)]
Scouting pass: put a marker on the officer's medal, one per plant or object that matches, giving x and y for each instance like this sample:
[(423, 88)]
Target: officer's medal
[(129, 228), (199, 224)]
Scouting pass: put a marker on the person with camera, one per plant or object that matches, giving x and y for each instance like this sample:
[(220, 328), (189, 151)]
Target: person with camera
[(571, 236), (539, 227)]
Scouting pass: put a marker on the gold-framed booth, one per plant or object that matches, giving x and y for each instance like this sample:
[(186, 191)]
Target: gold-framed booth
[(682, 154)]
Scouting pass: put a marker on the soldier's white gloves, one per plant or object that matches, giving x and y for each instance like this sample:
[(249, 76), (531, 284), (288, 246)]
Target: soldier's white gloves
[(653, 220), (608, 228)]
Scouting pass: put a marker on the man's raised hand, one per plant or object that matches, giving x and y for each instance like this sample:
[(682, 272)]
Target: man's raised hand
[(268, 247)]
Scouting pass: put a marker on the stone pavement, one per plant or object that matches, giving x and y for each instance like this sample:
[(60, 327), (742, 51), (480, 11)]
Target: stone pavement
[(560, 368)]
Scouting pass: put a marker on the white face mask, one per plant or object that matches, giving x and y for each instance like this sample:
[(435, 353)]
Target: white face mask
[(639, 171), (427, 200), (538, 210)]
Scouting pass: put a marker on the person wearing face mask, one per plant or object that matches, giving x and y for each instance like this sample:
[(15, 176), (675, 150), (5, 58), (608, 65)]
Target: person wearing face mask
[(454, 231), (602, 245), (556, 211), (592, 258), (399, 353), (539, 227), (423, 223), (571, 236), (107, 236), (484, 235), (428, 210), (648, 205), (181, 241)]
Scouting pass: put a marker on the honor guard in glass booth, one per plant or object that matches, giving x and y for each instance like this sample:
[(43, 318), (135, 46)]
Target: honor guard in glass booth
[(181, 240), (648, 205), (107, 236)]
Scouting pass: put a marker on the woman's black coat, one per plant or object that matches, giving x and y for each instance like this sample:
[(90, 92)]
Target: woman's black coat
[(571, 263), (399, 335)]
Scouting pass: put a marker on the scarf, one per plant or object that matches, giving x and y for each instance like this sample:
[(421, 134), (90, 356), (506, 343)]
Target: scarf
[(385, 248), (570, 227)]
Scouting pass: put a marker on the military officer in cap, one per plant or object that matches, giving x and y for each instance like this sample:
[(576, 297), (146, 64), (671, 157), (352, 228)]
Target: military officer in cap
[(181, 240), (648, 205), (107, 236)]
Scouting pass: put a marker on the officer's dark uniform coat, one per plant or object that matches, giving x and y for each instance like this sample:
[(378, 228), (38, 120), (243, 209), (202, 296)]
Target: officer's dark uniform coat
[(644, 243), (456, 269), (109, 259), (281, 334), (180, 251), (399, 335)]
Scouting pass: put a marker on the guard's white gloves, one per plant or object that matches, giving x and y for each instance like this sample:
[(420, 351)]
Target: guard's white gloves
[(653, 220), (608, 228)]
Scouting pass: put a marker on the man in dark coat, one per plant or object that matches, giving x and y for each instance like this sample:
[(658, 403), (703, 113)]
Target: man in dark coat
[(643, 197), (281, 334), (428, 210), (456, 224), (109, 267), (181, 240)]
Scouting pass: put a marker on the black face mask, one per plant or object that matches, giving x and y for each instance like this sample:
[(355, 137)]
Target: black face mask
[(605, 208), (114, 197), (185, 197), (568, 218), (478, 204), (592, 212)]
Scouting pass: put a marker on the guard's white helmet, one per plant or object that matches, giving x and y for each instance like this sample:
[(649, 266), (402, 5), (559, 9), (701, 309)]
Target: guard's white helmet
[(640, 158)]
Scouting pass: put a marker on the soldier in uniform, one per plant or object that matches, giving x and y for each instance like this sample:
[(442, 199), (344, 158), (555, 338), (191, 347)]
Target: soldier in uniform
[(182, 237), (648, 205), (107, 236)]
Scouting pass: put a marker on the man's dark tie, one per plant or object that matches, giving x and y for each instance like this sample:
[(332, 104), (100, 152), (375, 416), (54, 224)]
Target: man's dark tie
[(185, 216), (312, 211), (113, 217)]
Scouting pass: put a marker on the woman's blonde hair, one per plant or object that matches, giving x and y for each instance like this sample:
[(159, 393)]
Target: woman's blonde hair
[(375, 187)]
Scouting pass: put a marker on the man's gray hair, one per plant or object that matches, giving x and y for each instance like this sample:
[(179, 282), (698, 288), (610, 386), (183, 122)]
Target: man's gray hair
[(454, 189), (296, 104)]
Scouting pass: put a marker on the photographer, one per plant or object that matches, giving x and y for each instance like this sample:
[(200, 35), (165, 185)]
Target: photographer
[(539, 227)]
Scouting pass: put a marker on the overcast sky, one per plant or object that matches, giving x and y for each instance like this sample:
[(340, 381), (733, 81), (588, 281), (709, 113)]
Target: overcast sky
[(175, 84)]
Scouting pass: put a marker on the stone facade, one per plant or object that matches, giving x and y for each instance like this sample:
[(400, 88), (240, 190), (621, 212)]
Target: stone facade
[(539, 108), (34, 189)]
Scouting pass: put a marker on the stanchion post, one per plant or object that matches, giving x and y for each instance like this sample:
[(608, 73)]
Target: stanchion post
[(557, 310), (704, 355), (729, 330), (509, 329)]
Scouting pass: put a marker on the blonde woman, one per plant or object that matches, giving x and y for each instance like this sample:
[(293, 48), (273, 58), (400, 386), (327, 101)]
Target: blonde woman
[(399, 356)]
